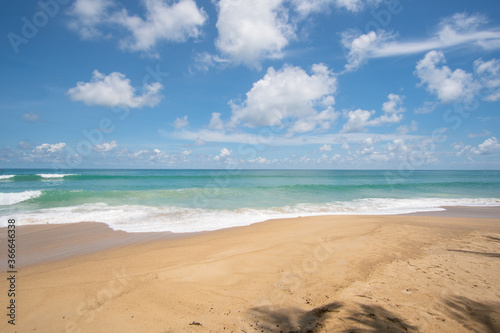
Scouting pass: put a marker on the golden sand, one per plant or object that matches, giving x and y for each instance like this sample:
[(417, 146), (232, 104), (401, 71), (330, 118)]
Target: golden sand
[(312, 274)]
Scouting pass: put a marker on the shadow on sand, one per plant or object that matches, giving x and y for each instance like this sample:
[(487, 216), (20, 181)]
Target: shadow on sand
[(474, 314), (364, 318), (291, 320), (486, 254), (368, 318), (493, 239), (374, 318)]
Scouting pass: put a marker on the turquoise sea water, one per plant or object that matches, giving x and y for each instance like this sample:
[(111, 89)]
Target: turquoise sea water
[(195, 200)]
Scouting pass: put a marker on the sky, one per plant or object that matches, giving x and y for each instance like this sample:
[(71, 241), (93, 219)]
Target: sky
[(271, 84)]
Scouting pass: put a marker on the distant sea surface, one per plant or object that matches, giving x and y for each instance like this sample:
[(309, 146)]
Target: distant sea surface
[(197, 200)]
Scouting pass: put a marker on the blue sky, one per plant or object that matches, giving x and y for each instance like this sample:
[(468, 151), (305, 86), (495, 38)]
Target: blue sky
[(336, 84)]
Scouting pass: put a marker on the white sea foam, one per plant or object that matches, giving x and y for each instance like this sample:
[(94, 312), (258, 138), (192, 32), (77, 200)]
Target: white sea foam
[(54, 175), (134, 218), (2, 177), (13, 198)]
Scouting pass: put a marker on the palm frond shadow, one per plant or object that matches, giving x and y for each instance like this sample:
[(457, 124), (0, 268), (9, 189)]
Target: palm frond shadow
[(374, 318), (469, 313), (292, 320)]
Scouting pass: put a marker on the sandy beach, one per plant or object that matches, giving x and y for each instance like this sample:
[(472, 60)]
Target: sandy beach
[(435, 272)]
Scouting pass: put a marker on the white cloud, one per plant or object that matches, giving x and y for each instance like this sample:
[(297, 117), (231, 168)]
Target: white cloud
[(306, 7), (449, 86), (114, 90), (224, 153), (362, 47), (46, 152), (393, 109), (260, 160), (163, 21), (358, 120), (459, 29), (250, 31), (31, 117), (105, 146), (289, 94), (175, 22), (489, 146), (215, 122), (86, 15), (145, 156), (181, 122), (488, 73), (47, 148), (398, 146), (325, 147)]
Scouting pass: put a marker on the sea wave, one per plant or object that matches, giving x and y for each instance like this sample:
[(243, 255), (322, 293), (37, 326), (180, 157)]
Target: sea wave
[(54, 175), (7, 199), (37, 177), (136, 218)]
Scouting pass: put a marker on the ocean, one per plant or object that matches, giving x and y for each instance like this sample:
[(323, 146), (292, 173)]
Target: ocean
[(198, 200)]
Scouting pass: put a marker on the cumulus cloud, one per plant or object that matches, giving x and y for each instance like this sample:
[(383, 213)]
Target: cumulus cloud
[(45, 152), (114, 90), (250, 31), (449, 86), (224, 153), (359, 119), (460, 29), (181, 122), (47, 148), (291, 95), (174, 22), (163, 21), (86, 15), (105, 146), (488, 147)]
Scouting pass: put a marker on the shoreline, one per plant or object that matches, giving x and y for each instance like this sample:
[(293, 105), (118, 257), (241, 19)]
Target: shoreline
[(322, 274), (54, 242)]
